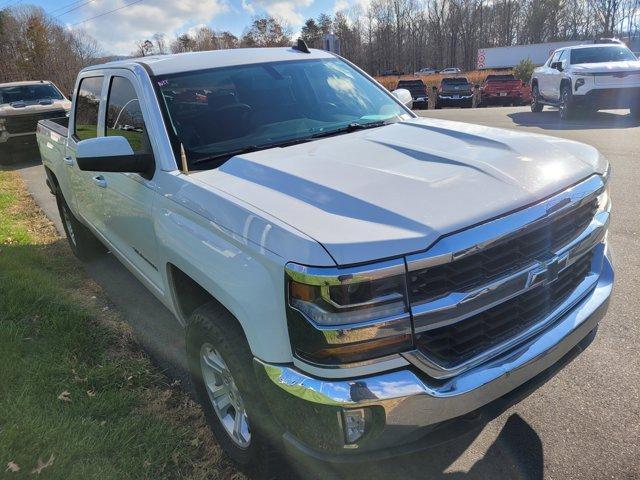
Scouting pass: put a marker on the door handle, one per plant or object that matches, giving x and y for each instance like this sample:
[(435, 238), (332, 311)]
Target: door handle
[(100, 181), (68, 161)]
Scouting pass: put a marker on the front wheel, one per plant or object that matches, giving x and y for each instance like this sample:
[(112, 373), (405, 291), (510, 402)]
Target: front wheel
[(82, 241), (567, 106), (536, 106), (221, 368)]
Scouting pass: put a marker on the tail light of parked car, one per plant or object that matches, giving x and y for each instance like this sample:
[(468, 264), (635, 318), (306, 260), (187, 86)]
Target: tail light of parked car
[(340, 316)]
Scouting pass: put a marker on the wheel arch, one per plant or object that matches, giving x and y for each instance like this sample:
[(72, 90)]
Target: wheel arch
[(188, 295)]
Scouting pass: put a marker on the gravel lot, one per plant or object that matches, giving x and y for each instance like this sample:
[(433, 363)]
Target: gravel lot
[(585, 422)]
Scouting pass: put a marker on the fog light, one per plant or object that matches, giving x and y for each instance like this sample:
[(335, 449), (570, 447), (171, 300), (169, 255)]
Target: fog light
[(354, 424)]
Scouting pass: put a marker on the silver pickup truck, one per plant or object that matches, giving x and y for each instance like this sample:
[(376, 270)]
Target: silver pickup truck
[(22, 105), (352, 280)]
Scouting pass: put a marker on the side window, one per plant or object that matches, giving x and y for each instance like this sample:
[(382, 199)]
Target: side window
[(87, 104), (562, 56), (555, 57), (124, 115)]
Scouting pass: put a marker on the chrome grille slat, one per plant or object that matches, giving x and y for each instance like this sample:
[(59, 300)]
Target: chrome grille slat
[(461, 341), (483, 267)]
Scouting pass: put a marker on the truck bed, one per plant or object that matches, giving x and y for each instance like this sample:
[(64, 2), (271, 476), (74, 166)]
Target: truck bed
[(51, 135)]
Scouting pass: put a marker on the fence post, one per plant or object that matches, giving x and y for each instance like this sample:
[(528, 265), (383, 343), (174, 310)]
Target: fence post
[(433, 98), (477, 96)]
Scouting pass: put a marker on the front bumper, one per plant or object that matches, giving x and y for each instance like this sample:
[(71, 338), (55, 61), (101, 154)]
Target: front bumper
[(604, 98), (405, 407)]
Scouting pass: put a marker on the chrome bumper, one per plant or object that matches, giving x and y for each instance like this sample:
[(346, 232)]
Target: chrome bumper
[(404, 404)]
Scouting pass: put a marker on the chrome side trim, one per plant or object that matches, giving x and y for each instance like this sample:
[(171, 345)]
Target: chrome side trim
[(485, 235)]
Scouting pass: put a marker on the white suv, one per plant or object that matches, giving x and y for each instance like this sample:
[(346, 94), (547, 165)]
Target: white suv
[(590, 77)]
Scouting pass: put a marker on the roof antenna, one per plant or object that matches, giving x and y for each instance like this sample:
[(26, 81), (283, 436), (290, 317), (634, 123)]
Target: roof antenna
[(301, 46), (183, 159)]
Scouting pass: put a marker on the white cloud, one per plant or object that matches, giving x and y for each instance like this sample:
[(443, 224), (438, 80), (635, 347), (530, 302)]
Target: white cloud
[(247, 7), (340, 5), (117, 32), (287, 10)]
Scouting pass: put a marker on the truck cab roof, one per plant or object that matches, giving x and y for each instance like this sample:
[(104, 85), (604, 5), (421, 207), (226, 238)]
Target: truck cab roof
[(184, 62)]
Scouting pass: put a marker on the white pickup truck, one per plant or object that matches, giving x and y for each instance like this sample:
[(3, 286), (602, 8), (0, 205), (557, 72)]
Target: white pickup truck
[(588, 78), (352, 280)]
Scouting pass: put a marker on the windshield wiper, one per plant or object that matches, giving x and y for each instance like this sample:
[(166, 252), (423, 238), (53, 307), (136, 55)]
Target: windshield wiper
[(352, 127), (250, 149)]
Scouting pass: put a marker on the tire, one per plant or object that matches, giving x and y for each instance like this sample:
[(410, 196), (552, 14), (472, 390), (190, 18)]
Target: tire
[(82, 241), (536, 106), (567, 106), (214, 334)]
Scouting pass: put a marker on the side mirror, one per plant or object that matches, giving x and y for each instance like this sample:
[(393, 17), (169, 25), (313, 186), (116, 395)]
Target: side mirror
[(404, 96), (557, 66), (112, 154)]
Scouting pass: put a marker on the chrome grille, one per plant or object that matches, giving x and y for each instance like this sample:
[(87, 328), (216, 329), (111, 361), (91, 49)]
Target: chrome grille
[(482, 291), (28, 123), (461, 341), (478, 269)]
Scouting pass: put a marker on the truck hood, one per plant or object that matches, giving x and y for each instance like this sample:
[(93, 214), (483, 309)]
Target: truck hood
[(8, 110), (394, 190), (609, 67)]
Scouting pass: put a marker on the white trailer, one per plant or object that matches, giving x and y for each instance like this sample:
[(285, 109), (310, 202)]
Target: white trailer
[(509, 57)]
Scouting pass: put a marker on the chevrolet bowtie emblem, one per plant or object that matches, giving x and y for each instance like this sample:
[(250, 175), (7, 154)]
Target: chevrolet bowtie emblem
[(547, 271)]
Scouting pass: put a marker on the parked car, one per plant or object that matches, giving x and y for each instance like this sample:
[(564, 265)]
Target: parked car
[(504, 89), (425, 71), (588, 78), (455, 92), (350, 277), (391, 73), (22, 104), (450, 70), (418, 92)]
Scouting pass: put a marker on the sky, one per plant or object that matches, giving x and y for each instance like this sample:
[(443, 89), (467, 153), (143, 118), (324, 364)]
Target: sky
[(118, 31)]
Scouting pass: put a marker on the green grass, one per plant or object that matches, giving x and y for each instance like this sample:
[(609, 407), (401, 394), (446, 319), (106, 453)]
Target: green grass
[(51, 342)]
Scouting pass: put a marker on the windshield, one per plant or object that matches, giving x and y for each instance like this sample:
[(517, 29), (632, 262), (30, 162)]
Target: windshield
[(455, 81), (233, 108), (601, 55), (29, 94), (500, 78)]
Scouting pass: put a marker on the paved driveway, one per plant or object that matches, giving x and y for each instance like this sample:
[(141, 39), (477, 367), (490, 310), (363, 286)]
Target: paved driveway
[(583, 424)]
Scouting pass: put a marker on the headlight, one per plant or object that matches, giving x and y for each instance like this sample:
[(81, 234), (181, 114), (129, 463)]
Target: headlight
[(339, 316)]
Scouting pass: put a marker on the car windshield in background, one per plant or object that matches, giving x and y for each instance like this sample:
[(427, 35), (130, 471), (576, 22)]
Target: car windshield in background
[(500, 78), (601, 55), (29, 94), (455, 81), (227, 110)]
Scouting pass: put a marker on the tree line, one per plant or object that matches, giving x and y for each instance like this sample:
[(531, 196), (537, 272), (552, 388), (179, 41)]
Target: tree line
[(36, 47), (403, 35), (406, 35)]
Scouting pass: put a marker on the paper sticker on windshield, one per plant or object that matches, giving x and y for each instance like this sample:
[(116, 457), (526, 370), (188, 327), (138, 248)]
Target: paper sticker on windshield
[(163, 83)]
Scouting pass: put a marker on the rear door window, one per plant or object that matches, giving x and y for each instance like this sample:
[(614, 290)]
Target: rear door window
[(124, 115), (87, 106)]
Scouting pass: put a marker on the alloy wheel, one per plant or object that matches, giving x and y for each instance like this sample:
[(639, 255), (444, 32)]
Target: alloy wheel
[(224, 395)]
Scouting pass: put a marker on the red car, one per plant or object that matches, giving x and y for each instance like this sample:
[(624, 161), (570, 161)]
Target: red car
[(504, 90)]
